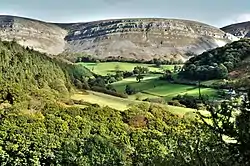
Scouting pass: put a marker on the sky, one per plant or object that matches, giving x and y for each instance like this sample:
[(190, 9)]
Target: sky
[(214, 12)]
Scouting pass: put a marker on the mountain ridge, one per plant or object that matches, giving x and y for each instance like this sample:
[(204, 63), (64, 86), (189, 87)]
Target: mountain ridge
[(144, 38), (241, 30)]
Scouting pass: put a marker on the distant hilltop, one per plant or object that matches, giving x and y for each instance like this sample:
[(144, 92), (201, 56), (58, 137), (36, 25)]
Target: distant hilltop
[(241, 30), (145, 38)]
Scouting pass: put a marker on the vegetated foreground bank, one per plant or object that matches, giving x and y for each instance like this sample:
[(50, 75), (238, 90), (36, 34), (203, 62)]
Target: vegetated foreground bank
[(40, 126)]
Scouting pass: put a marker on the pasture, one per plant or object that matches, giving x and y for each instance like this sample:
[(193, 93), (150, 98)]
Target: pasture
[(152, 87), (149, 87), (123, 104), (104, 68)]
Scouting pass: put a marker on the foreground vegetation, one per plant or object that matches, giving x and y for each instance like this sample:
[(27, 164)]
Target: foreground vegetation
[(145, 134), (41, 125)]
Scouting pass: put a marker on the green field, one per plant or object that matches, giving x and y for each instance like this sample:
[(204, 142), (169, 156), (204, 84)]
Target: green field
[(104, 100), (152, 87), (122, 104), (103, 68)]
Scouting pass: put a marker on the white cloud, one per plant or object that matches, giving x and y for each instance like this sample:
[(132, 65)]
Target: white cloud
[(243, 17), (233, 19)]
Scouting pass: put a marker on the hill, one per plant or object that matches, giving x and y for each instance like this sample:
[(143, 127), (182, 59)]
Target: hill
[(217, 63), (30, 76), (241, 30), (145, 38), (38, 128)]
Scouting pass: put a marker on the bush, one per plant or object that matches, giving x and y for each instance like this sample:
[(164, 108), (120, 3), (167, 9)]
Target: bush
[(190, 101), (127, 74), (130, 90), (106, 91), (155, 100), (176, 103)]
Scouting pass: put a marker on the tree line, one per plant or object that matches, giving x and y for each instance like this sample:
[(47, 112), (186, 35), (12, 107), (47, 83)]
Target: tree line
[(216, 63), (156, 61)]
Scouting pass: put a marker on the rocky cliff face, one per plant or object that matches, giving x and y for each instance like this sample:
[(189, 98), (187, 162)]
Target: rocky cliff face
[(129, 38), (41, 36), (241, 30)]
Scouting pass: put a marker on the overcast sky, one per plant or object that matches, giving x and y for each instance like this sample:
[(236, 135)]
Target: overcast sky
[(214, 12)]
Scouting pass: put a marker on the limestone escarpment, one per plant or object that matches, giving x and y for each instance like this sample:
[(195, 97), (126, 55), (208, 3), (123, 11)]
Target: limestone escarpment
[(129, 38), (41, 36), (241, 30), (143, 38)]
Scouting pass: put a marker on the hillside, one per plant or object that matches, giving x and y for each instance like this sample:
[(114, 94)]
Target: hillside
[(41, 125), (219, 62), (30, 76), (39, 35), (129, 38), (241, 30), (37, 127)]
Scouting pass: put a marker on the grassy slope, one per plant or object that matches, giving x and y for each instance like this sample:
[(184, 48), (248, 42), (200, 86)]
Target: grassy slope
[(120, 103), (153, 87), (104, 100), (150, 87), (110, 67)]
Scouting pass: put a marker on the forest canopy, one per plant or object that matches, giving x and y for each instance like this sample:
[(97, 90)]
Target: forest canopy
[(217, 63)]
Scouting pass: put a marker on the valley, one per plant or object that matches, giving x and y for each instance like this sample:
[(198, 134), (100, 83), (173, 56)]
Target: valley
[(125, 92), (150, 88)]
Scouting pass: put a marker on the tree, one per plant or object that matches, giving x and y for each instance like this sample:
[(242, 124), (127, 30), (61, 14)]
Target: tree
[(117, 68), (176, 69), (237, 129), (136, 70), (139, 77), (130, 90), (111, 80), (167, 76), (111, 88), (222, 71), (157, 62)]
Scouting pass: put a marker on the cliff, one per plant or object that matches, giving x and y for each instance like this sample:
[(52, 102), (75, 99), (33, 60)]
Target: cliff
[(130, 38), (241, 30)]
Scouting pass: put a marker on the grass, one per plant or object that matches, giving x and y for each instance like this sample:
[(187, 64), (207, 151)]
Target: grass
[(123, 104), (146, 83), (104, 100), (104, 68), (152, 87)]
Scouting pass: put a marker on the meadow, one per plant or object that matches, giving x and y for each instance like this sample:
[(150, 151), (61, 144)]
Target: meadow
[(104, 68), (150, 87), (123, 104)]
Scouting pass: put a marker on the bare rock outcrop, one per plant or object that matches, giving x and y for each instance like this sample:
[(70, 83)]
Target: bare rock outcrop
[(41, 36), (129, 38), (241, 30), (143, 38)]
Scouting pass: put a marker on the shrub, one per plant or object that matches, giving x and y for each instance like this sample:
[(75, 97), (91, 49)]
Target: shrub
[(176, 103), (130, 90), (106, 91), (155, 100)]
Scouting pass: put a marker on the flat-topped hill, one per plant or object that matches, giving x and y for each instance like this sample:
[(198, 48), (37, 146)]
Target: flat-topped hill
[(144, 38)]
